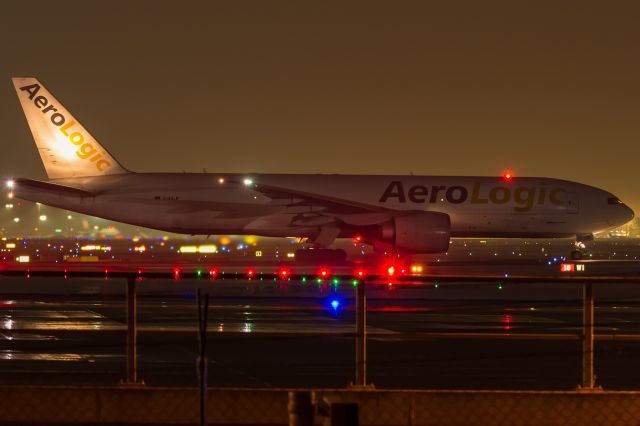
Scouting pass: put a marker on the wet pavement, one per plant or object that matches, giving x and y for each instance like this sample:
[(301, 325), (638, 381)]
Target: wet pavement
[(294, 334)]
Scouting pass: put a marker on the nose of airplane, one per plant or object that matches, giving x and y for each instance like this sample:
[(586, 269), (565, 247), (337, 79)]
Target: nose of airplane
[(627, 213)]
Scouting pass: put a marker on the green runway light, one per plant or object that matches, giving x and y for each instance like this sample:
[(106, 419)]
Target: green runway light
[(304, 279), (198, 273), (355, 283), (336, 281), (319, 280)]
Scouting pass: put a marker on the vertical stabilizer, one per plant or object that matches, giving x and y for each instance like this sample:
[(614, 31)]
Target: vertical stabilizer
[(67, 149)]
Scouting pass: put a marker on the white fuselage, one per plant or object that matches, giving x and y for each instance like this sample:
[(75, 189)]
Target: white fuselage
[(221, 204)]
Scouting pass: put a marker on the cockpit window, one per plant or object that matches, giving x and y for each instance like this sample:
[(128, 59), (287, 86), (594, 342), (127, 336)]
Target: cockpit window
[(614, 200)]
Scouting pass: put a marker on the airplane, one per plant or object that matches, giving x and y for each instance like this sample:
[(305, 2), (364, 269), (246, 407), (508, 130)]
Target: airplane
[(399, 214)]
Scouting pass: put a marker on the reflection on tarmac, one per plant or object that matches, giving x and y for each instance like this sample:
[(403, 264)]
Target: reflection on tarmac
[(421, 338)]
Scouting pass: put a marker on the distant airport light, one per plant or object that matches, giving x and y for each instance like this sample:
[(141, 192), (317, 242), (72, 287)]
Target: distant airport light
[(248, 182), (10, 245), (416, 269), (10, 184), (208, 248), (291, 255), (221, 180), (43, 218), (23, 259), (69, 217), (507, 177), (10, 195), (16, 219), (188, 249), (391, 270)]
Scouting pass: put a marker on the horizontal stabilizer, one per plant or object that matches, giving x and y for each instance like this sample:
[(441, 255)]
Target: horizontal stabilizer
[(27, 185)]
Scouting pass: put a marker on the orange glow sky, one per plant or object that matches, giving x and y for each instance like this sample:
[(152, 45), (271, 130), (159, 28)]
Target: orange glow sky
[(461, 88)]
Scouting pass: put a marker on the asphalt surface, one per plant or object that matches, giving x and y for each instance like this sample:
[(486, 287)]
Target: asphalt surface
[(275, 334)]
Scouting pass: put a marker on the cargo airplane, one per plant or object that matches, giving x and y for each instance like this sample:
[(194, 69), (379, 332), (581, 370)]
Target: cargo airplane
[(403, 214)]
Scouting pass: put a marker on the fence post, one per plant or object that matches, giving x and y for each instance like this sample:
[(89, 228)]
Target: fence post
[(361, 334), (132, 331), (588, 317), (202, 363)]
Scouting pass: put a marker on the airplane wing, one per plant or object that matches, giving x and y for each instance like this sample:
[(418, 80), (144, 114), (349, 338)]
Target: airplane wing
[(348, 211)]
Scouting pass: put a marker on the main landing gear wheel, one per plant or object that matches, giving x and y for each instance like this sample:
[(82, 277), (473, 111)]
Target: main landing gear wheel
[(321, 255), (576, 255)]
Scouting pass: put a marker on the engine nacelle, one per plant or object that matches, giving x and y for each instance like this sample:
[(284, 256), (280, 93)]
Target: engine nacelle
[(418, 232)]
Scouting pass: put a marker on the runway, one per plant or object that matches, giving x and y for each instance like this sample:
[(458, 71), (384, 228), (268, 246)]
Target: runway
[(285, 335)]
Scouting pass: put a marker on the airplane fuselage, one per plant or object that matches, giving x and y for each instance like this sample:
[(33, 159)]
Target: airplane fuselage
[(207, 203)]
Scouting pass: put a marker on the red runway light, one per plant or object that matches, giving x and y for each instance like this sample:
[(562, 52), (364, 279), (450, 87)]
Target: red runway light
[(283, 273), (250, 273), (213, 273), (507, 177), (358, 238), (324, 273), (360, 273)]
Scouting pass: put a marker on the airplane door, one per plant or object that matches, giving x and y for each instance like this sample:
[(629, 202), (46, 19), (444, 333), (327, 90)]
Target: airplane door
[(572, 204)]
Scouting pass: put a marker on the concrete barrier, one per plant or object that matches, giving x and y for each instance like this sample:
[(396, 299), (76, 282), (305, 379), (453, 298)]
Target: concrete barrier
[(179, 406)]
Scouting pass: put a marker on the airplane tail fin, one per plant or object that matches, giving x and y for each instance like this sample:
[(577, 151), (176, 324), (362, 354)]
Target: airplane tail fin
[(66, 148)]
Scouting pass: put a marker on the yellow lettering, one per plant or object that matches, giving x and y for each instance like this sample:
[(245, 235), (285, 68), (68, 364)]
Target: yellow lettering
[(102, 165), (64, 128)]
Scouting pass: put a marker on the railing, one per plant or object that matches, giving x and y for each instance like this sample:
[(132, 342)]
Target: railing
[(360, 280)]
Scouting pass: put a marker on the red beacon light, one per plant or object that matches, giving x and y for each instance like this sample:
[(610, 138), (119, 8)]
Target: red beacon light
[(357, 238), (251, 273), (391, 270), (360, 273), (324, 273), (507, 176)]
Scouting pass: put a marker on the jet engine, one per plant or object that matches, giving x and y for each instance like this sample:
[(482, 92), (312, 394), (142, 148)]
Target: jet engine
[(418, 232)]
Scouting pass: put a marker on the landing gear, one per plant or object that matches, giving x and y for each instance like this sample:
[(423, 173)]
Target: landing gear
[(576, 253), (321, 255)]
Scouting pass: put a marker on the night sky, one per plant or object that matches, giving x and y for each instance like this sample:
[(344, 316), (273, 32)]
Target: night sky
[(455, 88)]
